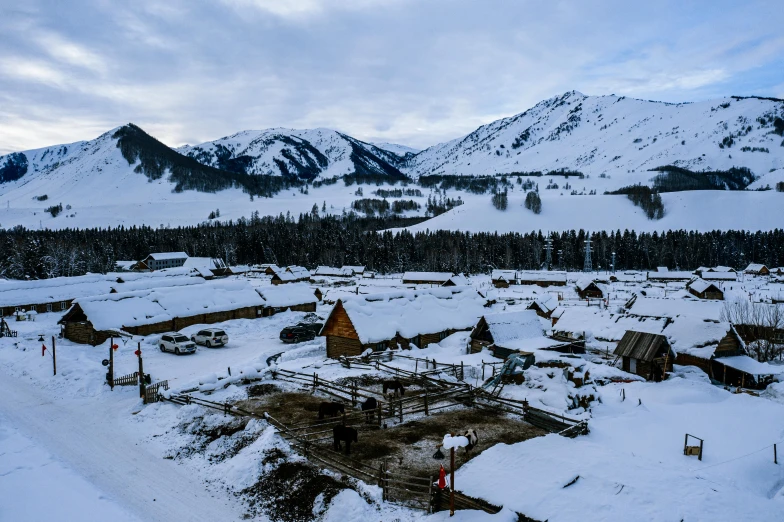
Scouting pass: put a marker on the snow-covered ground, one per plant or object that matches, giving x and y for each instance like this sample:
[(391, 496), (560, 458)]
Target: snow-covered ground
[(104, 452)]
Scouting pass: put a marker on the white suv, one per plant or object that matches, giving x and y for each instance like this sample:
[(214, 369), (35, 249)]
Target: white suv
[(210, 337), (177, 343)]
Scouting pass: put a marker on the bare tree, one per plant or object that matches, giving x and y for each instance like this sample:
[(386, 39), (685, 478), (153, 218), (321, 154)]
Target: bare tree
[(761, 324)]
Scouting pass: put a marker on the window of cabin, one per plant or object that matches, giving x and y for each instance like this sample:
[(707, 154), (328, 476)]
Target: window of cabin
[(63, 306), (380, 347), (49, 307)]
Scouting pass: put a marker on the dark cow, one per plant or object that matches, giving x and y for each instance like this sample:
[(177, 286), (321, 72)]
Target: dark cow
[(344, 434), (473, 439), (330, 408), (369, 406), (395, 386)]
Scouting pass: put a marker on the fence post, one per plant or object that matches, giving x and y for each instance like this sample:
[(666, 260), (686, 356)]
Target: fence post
[(54, 355), (378, 410), (141, 375), (775, 455), (462, 371), (426, 412), (483, 370), (430, 495), (353, 394), (416, 366), (400, 407), (111, 363)]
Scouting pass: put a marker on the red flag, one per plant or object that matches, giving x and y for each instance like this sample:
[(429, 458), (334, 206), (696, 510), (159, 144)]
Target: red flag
[(43, 349), (441, 478)]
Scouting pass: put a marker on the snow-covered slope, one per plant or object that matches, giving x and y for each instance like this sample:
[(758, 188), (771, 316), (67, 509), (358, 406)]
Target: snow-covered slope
[(618, 137), (304, 154), (394, 148)]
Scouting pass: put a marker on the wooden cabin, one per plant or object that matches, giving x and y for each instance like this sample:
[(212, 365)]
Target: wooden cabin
[(397, 320), (92, 320), (510, 332), (704, 289), (457, 280), (757, 269), (544, 306), (645, 354), (705, 354), (161, 260), (290, 274), (503, 278), (587, 288)]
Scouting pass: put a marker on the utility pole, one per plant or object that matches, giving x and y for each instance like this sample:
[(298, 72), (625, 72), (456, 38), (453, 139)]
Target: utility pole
[(587, 266), (110, 376), (613, 262), (560, 259), (548, 249)]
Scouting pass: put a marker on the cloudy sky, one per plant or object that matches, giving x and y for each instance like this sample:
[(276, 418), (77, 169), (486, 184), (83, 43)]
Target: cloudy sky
[(414, 72)]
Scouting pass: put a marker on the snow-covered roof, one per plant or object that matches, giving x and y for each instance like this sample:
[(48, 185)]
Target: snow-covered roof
[(630, 276), (506, 275), (356, 269), (755, 267), (39, 291), (150, 283), (299, 272), (584, 282), (459, 280), (661, 269), (721, 269), (124, 309), (751, 366), (720, 276), (286, 295), (331, 271), (542, 275), (699, 285), (209, 263), (379, 317), (672, 275), (695, 337), (440, 277), (160, 256), (546, 302), (124, 265), (654, 307), (520, 330), (600, 324)]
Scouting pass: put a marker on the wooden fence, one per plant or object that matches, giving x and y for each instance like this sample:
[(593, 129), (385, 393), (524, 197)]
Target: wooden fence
[(152, 392), (132, 379)]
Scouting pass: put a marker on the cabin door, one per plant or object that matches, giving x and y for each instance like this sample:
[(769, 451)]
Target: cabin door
[(632, 365)]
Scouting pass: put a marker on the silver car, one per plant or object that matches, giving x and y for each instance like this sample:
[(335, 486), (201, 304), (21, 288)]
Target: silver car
[(210, 337), (176, 343)]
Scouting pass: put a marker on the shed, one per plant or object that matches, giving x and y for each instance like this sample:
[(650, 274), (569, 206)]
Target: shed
[(543, 278), (290, 274), (503, 278), (704, 289), (399, 319), (587, 288), (457, 280), (645, 354)]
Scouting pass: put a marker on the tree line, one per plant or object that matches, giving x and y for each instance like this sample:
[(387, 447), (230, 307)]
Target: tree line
[(312, 240)]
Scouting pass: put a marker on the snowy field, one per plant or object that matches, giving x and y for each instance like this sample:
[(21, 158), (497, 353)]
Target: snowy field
[(72, 449)]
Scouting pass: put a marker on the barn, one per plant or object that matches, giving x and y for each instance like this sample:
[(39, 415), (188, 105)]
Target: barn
[(704, 289), (510, 332), (297, 297), (587, 288), (426, 278), (399, 319), (757, 269), (92, 320), (645, 354)]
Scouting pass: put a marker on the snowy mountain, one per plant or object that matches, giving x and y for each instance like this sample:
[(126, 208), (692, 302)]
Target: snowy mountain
[(301, 154), (617, 137), (400, 150)]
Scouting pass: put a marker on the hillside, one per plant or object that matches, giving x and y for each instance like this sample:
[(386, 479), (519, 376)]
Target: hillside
[(617, 137), (300, 154)]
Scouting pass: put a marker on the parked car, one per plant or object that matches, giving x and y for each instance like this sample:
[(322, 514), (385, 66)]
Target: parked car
[(210, 337), (304, 331), (177, 343)]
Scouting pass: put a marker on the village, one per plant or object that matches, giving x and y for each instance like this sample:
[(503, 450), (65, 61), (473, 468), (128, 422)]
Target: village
[(573, 386)]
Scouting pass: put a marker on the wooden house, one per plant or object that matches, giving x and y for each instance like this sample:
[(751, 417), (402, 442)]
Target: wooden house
[(628, 276), (757, 269), (543, 278), (290, 274), (92, 320), (207, 267), (704, 289), (701, 343), (587, 288), (511, 332), (296, 297), (399, 319), (457, 280), (669, 276), (50, 295), (645, 354), (357, 270), (503, 278), (426, 278), (544, 305), (331, 271)]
